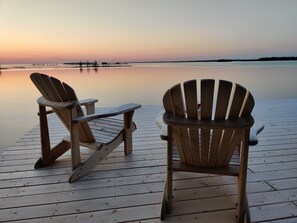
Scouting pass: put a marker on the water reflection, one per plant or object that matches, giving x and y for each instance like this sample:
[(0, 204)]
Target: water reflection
[(88, 69)]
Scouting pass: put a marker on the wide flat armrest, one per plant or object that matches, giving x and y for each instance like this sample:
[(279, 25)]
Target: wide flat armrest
[(253, 135), (242, 122), (88, 101), (253, 140), (112, 112)]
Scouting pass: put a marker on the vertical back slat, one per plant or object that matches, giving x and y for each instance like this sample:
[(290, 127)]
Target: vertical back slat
[(60, 89), (50, 88), (229, 135), (179, 109), (237, 136), (175, 130), (177, 100), (168, 106), (51, 85), (190, 89), (239, 95), (224, 91), (249, 105), (85, 133), (40, 82), (167, 102), (207, 92), (235, 142)]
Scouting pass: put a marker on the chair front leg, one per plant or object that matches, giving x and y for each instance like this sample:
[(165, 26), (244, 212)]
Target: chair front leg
[(74, 137), (169, 181), (90, 108), (242, 178), (128, 130)]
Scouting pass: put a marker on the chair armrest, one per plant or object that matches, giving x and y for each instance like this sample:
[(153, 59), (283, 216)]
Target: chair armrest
[(89, 105), (163, 131), (87, 101), (175, 121), (69, 104), (113, 112), (162, 126), (253, 135)]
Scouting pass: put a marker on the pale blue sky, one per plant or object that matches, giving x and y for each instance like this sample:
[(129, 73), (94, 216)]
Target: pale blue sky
[(136, 30)]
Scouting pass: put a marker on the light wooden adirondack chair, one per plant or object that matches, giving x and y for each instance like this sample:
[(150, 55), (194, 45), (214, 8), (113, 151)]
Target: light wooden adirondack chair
[(207, 139), (94, 130)]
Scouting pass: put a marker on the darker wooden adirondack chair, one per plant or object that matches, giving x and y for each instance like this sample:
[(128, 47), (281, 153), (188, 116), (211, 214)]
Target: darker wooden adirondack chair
[(94, 130), (207, 139)]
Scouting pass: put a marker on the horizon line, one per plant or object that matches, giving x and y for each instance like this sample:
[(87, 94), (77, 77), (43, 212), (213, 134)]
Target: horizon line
[(273, 58)]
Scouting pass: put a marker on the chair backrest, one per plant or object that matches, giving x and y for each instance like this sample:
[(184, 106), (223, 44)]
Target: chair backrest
[(220, 100), (54, 90)]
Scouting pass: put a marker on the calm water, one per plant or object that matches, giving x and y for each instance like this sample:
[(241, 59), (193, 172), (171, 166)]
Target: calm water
[(142, 83)]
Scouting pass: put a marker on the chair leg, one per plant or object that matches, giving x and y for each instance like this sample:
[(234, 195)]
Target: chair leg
[(48, 155), (102, 151), (242, 179), (164, 204), (166, 207), (55, 152), (128, 130), (75, 151), (46, 158), (169, 185), (247, 211), (90, 108), (167, 196), (241, 209)]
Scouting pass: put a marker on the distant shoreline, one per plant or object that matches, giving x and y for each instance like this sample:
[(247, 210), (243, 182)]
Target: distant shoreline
[(262, 59), (127, 64)]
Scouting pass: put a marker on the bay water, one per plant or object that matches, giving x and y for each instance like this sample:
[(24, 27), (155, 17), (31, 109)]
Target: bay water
[(143, 83)]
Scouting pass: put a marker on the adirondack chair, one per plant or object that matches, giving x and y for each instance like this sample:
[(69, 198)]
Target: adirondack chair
[(206, 139), (96, 131)]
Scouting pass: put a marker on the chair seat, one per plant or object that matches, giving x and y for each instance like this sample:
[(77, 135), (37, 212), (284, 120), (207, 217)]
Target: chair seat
[(106, 129)]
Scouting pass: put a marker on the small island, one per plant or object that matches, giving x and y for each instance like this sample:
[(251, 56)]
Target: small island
[(96, 64)]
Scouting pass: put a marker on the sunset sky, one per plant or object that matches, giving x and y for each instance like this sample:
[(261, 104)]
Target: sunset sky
[(56, 31)]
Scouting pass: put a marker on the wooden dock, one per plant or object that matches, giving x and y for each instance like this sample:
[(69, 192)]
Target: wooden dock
[(130, 189)]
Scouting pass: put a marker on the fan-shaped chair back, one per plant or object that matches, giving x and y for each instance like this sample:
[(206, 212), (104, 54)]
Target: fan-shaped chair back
[(211, 146)]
